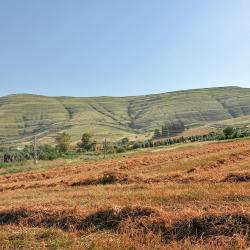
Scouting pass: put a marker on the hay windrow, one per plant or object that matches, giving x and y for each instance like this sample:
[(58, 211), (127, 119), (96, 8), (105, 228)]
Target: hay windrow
[(109, 218), (133, 219), (108, 178), (237, 177), (120, 178), (211, 226)]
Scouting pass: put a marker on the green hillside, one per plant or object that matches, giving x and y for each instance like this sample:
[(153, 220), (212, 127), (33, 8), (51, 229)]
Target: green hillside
[(23, 116)]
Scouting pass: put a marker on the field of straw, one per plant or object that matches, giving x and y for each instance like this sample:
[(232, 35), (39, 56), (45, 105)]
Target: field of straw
[(193, 196)]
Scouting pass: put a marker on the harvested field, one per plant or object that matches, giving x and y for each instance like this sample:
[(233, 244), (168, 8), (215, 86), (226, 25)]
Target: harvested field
[(194, 196)]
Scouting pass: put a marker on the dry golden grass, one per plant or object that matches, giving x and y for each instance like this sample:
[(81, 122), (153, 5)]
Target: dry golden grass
[(191, 197), (203, 130)]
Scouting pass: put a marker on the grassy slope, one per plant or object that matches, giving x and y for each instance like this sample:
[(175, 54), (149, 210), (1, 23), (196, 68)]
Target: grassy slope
[(22, 116)]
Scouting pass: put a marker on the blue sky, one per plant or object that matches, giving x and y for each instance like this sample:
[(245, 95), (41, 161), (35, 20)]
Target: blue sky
[(122, 47)]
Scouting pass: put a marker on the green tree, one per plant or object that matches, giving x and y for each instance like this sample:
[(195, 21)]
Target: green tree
[(86, 141), (47, 152), (175, 127), (157, 134), (165, 131), (63, 142), (124, 141), (228, 131)]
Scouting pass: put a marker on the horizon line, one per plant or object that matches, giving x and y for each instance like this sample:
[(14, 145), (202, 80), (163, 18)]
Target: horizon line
[(106, 96)]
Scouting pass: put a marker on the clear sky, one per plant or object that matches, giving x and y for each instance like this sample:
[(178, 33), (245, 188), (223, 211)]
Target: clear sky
[(122, 47)]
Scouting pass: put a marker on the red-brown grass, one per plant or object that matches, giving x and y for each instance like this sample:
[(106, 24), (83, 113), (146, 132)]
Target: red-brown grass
[(133, 219)]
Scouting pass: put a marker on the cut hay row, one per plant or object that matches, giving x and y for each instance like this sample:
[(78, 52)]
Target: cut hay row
[(237, 177), (110, 178), (134, 219)]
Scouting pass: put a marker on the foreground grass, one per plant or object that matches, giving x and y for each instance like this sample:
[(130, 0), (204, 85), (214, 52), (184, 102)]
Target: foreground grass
[(12, 238)]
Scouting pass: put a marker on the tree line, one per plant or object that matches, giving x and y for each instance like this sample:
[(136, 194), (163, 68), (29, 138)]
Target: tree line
[(65, 149), (169, 129)]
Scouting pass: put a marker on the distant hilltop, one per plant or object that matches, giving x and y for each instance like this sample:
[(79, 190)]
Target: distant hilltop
[(24, 115)]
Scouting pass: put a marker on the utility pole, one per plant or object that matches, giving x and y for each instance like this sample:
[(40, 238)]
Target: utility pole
[(104, 148), (35, 150)]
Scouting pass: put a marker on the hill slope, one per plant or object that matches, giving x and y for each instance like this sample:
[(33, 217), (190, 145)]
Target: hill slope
[(24, 115)]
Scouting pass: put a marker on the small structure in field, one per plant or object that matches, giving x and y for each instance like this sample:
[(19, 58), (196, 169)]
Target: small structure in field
[(96, 147)]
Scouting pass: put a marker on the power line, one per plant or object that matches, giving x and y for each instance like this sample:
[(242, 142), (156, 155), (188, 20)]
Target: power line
[(35, 151), (104, 148)]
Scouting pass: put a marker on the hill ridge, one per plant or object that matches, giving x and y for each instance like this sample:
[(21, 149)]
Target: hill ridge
[(24, 115), (140, 95)]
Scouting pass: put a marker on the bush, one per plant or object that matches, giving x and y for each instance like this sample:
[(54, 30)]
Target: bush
[(138, 144), (229, 132), (85, 143), (12, 156), (120, 149), (47, 152), (125, 141)]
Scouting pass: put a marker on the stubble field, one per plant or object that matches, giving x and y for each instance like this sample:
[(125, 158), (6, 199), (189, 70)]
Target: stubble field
[(193, 196)]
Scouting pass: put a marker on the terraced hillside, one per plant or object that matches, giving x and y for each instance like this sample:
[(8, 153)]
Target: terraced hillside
[(24, 115)]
